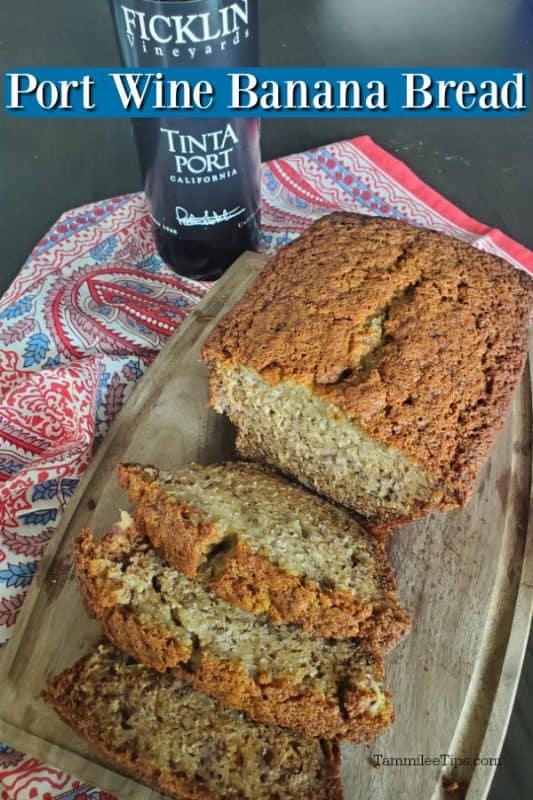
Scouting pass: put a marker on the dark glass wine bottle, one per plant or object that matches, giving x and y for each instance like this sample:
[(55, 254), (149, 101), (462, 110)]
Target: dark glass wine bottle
[(201, 176)]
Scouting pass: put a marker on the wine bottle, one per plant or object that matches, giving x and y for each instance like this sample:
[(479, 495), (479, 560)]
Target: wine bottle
[(201, 176)]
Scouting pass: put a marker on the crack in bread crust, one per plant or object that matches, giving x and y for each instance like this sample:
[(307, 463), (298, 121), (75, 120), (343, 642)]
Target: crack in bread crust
[(250, 581)]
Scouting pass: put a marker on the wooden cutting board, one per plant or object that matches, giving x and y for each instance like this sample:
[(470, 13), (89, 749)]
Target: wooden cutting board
[(467, 578)]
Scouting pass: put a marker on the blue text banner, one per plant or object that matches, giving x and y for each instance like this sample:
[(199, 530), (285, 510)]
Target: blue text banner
[(266, 92)]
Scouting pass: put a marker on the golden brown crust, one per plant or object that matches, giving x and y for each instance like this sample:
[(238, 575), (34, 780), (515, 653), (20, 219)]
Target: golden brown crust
[(60, 693), (264, 698), (287, 704), (433, 378), (249, 581), (197, 535), (147, 644)]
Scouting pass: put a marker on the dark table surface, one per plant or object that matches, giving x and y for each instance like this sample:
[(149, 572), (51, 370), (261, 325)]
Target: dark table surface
[(485, 166)]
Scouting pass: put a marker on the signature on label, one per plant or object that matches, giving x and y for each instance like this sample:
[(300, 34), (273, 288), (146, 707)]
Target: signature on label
[(207, 218)]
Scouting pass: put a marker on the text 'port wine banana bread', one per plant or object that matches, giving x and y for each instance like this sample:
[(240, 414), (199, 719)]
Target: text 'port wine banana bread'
[(374, 362)]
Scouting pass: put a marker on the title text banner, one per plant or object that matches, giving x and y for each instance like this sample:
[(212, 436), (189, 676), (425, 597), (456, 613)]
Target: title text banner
[(265, 92)]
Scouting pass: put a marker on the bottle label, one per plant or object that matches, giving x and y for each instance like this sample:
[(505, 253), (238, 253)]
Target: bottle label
[(199, 175), (187, 32), (205, 158)]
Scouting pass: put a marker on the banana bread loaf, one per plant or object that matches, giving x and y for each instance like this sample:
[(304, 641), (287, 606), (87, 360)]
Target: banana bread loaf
[(268, 546), (277, 674), (374, 362), (182, 742)]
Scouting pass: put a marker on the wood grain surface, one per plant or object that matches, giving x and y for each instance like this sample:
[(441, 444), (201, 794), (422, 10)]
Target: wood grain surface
[(467, 578)]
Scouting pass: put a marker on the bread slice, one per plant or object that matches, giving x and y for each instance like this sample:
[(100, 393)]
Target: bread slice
[(277, 674), (268, 546), (374, 362), (182, 742)]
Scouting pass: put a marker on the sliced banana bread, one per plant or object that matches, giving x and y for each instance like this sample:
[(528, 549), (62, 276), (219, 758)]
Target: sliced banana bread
[(277, 674), (182, 742), (374, 362), (268, 546)]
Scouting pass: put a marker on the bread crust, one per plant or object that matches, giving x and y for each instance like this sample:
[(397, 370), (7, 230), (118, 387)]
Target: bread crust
[(278, 701), (58, 693), (249, 581), (287, 704), (147, 644), (435, 378)]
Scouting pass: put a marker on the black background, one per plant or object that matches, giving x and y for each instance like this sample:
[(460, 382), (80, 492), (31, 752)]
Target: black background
[(485, 166)]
